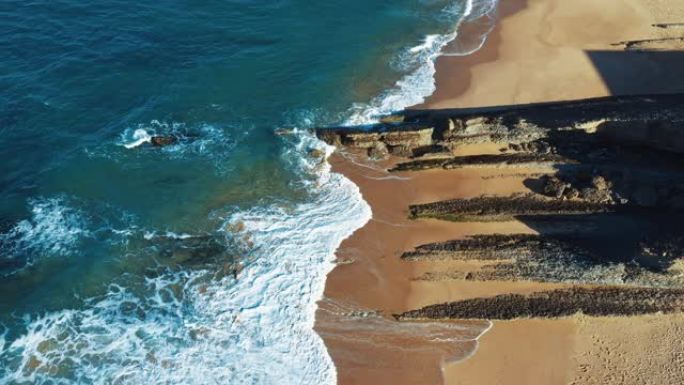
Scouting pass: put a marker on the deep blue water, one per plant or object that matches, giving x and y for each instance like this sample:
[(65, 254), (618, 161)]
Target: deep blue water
[(106, 250)]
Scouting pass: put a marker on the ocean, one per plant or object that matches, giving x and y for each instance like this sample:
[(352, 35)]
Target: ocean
[(199, 262)]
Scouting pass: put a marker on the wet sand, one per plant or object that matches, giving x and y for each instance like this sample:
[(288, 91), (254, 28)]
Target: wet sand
[(540, 50)]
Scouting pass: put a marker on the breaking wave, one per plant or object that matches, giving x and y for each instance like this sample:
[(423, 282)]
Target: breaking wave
[(53, 229)]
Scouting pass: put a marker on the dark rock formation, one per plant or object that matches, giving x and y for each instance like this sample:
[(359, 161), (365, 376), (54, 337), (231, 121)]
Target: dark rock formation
[(668, 25), (568, 258), (493, 160), (478, 247), (378, 151), (652, 121), (659, 44), (504, 208), (604, 301), (597, 189), (399, 139), (635, 187), (163, 140)]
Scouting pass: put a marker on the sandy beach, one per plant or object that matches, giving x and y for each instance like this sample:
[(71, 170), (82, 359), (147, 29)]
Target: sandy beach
[(539, 51), (557, 50)]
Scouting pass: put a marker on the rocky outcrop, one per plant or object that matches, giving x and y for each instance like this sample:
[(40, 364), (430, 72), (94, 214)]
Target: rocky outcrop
[(400, 140), (504, 208), (566, 258), (659, 44), (479, 247), (596, 189), (637, 188), (650, 121), (163, 140), (568, 192), (604, 301), (486, 160)]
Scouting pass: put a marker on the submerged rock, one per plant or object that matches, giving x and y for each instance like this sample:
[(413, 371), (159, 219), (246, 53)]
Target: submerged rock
[(316, 153), (392, 119), (163, 140)]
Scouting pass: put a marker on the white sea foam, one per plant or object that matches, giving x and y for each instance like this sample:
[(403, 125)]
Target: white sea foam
[(295, 252), (150, 235), (133, 137), (53, 229), (56, 227), (138, 137)]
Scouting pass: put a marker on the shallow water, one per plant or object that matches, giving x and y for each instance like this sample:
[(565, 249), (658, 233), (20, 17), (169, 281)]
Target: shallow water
[(200, 261)]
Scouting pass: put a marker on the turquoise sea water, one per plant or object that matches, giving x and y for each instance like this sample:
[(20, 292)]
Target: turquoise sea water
[(118, 259)]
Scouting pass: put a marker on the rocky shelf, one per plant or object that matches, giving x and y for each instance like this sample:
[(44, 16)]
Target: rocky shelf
[(479, 247), (485, 160), (504, 208), (603, 301), (652, 121), (649, 261)]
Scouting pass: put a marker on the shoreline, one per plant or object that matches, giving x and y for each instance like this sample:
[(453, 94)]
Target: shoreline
[(533, 54), (371, 279)]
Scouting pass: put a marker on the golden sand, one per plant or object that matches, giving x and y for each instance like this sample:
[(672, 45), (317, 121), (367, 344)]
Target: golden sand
[(541, 50)]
